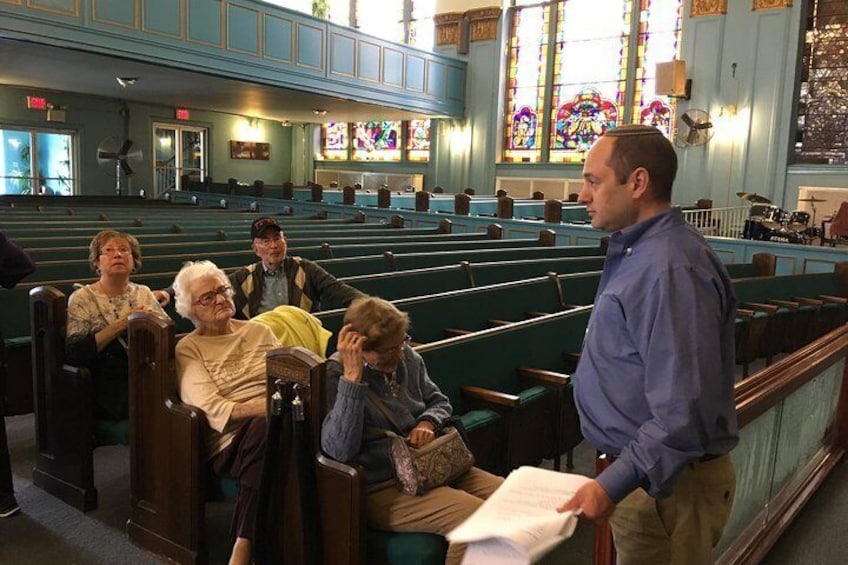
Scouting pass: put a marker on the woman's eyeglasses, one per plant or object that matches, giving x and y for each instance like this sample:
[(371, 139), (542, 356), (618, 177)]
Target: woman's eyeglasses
[(393, 348), (209, 298), (113, 250)]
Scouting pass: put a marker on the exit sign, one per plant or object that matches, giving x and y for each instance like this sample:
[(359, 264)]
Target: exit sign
[(182, 114), (36, 103)]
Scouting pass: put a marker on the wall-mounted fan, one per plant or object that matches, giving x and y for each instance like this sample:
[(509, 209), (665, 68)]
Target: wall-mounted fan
[(116, 157), (694, 128)]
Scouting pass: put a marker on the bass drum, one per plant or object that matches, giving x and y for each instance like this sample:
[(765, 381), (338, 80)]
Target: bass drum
[(755, 229)]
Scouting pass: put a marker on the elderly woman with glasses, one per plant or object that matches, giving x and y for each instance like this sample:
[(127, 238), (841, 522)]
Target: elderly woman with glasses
[(221, 368), (97, 320), (374, 361)]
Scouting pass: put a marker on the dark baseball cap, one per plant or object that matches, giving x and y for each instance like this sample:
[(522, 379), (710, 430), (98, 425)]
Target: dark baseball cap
[(259, 225)]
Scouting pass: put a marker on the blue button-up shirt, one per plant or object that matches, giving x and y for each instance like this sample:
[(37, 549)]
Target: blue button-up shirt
[(654, 385)]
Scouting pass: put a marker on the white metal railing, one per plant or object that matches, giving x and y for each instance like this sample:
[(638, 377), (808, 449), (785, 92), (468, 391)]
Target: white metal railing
[(720, 222)]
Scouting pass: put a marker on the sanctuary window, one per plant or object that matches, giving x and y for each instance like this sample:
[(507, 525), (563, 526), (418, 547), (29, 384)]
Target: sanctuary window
[(577, 68), (821, 135)]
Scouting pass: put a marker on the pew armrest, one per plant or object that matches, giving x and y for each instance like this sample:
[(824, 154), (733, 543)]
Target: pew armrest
[(833, 299), (487, 396), (542, 377), (341, 494), (760, 307), (805, 301), (791, 305)]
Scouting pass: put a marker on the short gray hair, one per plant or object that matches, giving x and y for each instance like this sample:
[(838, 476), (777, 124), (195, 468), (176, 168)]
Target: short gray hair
[(190, 272)]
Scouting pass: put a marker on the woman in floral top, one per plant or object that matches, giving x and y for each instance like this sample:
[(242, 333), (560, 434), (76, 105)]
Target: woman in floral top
[(97, 320)]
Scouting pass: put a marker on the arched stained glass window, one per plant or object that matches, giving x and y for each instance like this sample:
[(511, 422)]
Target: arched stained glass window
[(590, 68), (418, 140), (335, 141), (528, 51), (602, 74), (376, 141), (659, 41)]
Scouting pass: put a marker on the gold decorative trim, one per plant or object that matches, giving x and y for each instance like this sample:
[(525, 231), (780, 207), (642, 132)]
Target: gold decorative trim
[(447, 28), (75, 13), (15, 2), (484, 23), (708, 8), (770, 4), (383, 57)]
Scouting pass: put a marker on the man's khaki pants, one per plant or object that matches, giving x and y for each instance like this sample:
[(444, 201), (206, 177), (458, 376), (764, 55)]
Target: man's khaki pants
[(682, 528)]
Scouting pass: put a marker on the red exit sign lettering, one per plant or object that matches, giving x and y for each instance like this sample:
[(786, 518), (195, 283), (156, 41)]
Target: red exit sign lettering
[(36, 103), (182, 114)]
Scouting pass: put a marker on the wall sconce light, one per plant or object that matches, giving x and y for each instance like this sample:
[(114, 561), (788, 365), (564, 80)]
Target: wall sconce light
[(671, 80), (460, 138), (126, 82), (319, 112), (286, 124)]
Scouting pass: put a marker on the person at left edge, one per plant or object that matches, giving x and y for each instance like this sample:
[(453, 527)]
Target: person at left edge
[(15, 264)]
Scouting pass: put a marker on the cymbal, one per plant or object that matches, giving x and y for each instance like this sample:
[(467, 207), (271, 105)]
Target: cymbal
[(812, 199), (753, 197)]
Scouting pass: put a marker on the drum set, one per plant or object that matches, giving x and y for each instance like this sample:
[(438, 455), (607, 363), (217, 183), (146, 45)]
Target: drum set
[(767, 222)]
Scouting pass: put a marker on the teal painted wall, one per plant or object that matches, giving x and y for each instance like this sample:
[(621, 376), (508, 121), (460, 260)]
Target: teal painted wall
[(95, 118)]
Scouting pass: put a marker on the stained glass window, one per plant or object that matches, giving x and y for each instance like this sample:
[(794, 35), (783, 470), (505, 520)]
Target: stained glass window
[(659, 41), (418, 140), (335, 141), (594, 45), (822, 129), (528, 51), (382, 18), (590, 68), (376, 141)]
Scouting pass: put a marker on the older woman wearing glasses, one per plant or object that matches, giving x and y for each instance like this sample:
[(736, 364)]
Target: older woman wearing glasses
[(221, 368), (374, 358), (97, 320)]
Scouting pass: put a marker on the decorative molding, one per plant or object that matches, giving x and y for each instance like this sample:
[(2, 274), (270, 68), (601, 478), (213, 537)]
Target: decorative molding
[(708, 8), (770, 4), (484, 23), (447, 28)]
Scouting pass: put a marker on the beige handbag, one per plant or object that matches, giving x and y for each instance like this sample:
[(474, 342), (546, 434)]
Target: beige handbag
[(438, 463)]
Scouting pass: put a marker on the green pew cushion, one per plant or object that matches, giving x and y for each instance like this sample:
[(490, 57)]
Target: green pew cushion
[(111, 432), (474, 419), (405, 548), (531, 394)]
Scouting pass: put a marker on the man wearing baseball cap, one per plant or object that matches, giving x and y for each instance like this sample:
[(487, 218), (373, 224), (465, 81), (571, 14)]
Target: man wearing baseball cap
[(276, 279)]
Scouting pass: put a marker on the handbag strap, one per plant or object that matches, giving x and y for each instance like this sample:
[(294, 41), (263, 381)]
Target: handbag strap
[(384, 410)]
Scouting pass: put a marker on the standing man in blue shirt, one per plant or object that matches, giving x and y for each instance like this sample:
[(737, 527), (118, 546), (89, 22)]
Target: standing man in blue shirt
[(654, 386)]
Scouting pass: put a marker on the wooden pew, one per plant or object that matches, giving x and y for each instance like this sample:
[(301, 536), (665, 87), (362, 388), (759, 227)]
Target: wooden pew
[(389, 261), (341, 488), (417, 282), (64, 425), (795, 309)]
